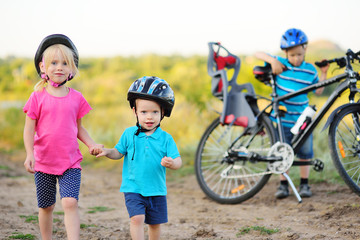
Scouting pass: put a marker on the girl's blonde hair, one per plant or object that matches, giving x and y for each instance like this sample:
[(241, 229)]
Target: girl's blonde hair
[(48, 57)]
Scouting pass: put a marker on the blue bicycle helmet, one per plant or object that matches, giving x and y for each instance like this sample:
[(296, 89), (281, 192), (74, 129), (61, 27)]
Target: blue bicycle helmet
[(155, 89), (292, 38)]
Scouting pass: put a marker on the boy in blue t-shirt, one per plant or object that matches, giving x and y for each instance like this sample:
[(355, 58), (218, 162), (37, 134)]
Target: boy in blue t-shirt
[(292, 74), (148, 151)]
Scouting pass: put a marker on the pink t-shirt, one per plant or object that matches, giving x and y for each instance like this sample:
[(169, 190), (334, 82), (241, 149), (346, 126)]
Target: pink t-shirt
[(56, 148)]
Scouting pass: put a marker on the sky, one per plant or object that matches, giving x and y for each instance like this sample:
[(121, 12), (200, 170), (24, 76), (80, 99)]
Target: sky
[(106, 28)]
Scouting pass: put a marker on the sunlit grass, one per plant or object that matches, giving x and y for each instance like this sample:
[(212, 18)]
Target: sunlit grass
[(22, 236), (261, 229), (100, 209), (30, 218)]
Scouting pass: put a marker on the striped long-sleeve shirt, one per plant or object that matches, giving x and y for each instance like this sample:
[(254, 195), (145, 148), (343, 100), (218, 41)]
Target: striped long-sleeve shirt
[(293, 79)]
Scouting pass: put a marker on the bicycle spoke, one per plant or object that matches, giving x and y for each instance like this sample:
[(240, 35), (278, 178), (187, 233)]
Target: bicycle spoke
[(232, 180), (345, 146)]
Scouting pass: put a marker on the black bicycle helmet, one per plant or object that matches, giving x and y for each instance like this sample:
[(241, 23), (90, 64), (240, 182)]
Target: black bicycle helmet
[(293, 37), (52, 40), (152, 88)]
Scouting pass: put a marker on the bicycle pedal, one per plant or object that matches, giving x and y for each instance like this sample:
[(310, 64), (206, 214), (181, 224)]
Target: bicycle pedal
[(318, 165)]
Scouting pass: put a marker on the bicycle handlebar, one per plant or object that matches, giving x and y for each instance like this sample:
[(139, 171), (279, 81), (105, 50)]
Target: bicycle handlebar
[(341, 62)]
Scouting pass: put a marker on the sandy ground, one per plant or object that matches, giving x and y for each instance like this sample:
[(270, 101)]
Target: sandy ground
[(332, 213)]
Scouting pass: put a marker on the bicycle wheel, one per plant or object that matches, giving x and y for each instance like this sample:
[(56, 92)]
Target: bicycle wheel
[(226, 180), (344, 142)]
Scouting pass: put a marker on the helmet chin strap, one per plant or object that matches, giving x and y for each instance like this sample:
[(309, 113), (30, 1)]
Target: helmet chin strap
[(54, 84), (140, 129)]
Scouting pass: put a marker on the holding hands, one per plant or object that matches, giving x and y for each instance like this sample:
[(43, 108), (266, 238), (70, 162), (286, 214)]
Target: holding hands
[(112, 153), (95, 148)]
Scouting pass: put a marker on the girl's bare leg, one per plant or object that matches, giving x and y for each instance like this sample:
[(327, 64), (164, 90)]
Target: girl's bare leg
[(46, 222), (71, 217)]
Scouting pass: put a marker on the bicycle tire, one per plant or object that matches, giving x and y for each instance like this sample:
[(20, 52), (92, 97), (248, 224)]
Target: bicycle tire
[(243, 179), (344, 143)]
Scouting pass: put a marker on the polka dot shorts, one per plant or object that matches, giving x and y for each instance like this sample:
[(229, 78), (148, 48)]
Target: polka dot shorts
[(69, 186)]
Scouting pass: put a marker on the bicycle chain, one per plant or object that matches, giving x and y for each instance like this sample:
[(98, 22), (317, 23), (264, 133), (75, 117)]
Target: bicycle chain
[(282, 166), (252, 149), (247, 175)]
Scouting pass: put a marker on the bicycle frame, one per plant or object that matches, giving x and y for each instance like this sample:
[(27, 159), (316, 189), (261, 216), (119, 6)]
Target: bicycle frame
[(338, 91), (324, 109)]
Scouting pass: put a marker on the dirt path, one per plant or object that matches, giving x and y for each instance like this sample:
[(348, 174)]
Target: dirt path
[(332, 213)]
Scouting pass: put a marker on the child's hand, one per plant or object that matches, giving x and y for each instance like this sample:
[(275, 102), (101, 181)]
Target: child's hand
[(276, 66), (95, 149), (167, 162), (29, 164), (325, 68), (101, 152), (174, 164)]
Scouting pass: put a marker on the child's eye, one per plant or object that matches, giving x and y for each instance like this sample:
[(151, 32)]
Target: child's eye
[(64, 63), (53, 62)]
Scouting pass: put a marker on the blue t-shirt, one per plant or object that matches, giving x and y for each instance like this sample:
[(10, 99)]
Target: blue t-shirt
[(295, 78), (142, 170)]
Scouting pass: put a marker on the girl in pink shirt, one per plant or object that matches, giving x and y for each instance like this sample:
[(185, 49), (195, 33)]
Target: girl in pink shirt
[(52, 127)]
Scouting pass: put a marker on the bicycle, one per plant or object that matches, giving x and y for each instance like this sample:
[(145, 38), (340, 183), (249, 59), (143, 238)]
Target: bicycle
[(242, 148)]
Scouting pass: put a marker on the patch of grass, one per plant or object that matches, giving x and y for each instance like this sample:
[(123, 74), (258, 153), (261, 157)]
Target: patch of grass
[(59, 213), (99, 209), (263, 230), (30, 218), (35, 219), (82, 225), (4, 167), (22, 236)]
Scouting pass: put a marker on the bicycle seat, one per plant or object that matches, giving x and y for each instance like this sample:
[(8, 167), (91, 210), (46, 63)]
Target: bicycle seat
[(263, 73), (220, 61), (236, 108)]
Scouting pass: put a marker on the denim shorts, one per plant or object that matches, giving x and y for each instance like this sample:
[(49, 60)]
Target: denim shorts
[(306, 150), (69, 186), (154, 207)]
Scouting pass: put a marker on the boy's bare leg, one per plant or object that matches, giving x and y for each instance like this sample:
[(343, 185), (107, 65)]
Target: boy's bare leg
[(46, 222), (305, 170), (154, 231), (137, 227)]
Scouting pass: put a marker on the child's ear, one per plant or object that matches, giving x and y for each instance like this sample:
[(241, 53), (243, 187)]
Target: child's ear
[(42, 67), (134, 111)]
